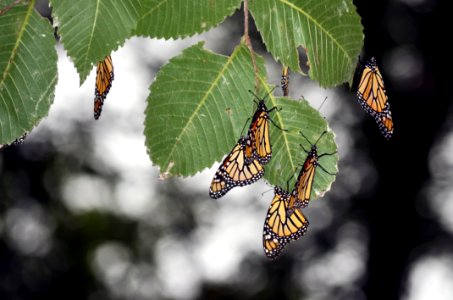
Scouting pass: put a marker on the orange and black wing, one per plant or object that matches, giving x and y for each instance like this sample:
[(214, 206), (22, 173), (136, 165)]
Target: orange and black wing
[(371, 90), (104, 78), (304, 183), (235, 170), (373, 97), (285, 81), (385, 122), (280, 228), (302, 189), (258, 135)]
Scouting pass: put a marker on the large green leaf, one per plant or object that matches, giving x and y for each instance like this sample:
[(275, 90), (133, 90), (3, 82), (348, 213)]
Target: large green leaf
[(28, 70), (329, 30), (196, 109), (92, 29), (199, 103), (182, 18)]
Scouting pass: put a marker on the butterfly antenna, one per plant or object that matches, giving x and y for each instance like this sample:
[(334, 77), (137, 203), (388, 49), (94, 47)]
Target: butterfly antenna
[(322, 103), (262, 194), (305, 137), (323, 133), (256, 96), (245, 125)]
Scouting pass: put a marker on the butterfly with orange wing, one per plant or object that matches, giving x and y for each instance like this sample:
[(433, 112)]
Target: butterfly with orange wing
[(304, 183), (281, 226), (104, 78), (258, 134), (373, 97)]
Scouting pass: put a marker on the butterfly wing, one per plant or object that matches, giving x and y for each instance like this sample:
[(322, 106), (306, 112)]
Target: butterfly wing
[(304, 183), (258, 135), (104, 78), (385, 122), (235, 170), (280, 228), (371, 90), (373, 97)]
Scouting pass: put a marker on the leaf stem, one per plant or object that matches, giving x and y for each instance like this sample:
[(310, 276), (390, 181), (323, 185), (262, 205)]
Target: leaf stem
[(8, 7), (249, 43)]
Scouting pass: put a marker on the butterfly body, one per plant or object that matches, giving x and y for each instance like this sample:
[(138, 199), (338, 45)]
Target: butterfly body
[(258, 135), (285, 81), (304, 182), (244, 164)]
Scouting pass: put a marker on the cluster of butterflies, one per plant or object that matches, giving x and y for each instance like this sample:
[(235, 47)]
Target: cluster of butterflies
[(370, 93), (285, 221), (244, 165)]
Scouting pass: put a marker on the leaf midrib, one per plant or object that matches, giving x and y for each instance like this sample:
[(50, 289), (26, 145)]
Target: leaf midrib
[(16, 45), (308, 16), (14, 51), (201, 104), (153, 9), (91, 36)]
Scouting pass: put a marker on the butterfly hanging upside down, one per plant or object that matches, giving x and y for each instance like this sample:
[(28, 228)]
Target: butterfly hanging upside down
[(104, 78), (244, 164), (258, 133), (280, 226), (304, 182), (373, 97), (285, 221)]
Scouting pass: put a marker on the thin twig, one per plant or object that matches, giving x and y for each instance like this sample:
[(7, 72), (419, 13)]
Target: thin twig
[(249, 43), (8, 7)]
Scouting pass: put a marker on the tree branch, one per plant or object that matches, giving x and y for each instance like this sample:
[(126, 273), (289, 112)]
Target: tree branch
[(249, 43)]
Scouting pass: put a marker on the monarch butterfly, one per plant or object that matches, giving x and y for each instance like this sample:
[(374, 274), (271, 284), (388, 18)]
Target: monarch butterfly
[(373, 98), (235, 170), (281, 227), (302, 190), (104, 78), (260, 147), (285, 81)]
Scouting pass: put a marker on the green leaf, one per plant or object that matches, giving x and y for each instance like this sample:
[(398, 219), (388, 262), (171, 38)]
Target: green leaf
[(329, 30), (28, 70), (181, 18), (91, 29), (198, 105)]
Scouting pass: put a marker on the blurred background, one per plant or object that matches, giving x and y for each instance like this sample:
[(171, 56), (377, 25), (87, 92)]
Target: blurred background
[(85, 215)]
